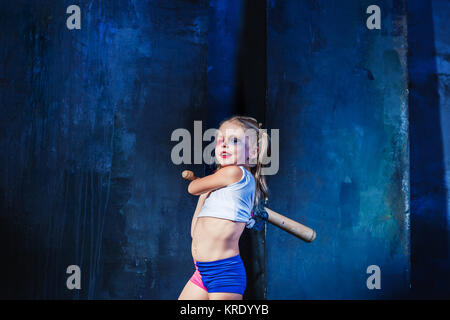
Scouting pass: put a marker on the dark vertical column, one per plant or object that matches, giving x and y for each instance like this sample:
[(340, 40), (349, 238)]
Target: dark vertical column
[(428, 42), (251, 101), (237, 85), (224, 35)]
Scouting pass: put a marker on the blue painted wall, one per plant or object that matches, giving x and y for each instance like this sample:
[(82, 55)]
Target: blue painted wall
[(85, 170), (337, 92)]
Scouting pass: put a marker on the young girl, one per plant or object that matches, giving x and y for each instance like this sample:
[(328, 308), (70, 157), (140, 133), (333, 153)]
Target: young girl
[(223, 210)]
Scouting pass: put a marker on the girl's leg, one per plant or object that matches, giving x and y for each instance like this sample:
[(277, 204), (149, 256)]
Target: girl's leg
[(193, 292), (224, 296)]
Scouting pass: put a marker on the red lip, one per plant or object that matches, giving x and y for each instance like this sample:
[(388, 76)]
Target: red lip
[(225, 155)]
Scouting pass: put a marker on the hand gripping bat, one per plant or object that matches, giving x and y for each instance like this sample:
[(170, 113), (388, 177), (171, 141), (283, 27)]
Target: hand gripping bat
[(293, 227)]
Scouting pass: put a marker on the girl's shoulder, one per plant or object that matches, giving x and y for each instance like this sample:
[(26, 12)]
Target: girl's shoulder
[(246, 179), (233, 172)]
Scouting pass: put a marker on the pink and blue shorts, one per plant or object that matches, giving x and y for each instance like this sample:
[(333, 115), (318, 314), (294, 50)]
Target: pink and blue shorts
[(226, 275)]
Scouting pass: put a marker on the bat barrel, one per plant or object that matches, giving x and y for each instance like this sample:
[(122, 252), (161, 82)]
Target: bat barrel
[(291, 226)]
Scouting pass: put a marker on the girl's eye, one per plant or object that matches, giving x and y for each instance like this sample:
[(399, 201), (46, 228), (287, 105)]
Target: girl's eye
[(232, 140)]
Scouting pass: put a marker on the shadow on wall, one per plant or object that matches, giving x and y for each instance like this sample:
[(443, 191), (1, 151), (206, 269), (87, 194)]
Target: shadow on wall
[(429, 235)]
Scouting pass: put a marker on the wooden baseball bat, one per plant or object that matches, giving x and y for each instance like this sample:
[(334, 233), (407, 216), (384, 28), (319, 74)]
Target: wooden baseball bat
[(293, 227)]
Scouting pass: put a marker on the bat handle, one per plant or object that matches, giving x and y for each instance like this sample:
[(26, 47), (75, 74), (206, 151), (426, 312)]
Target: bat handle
[(188, 175)]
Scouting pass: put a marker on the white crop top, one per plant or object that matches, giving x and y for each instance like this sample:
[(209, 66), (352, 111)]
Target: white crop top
[(233, 202)]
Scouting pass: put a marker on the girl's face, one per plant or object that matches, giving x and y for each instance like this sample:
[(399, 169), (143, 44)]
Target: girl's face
[(232, 145)]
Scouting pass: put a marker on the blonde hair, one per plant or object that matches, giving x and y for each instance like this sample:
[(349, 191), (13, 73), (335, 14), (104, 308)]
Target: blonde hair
[(262, 190)]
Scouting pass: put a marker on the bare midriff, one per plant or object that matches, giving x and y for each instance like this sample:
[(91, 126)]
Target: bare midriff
[(215, 239)]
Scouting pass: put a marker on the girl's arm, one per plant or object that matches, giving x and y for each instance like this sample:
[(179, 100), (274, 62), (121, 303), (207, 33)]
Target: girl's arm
[(201, 201), (220, 178)]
